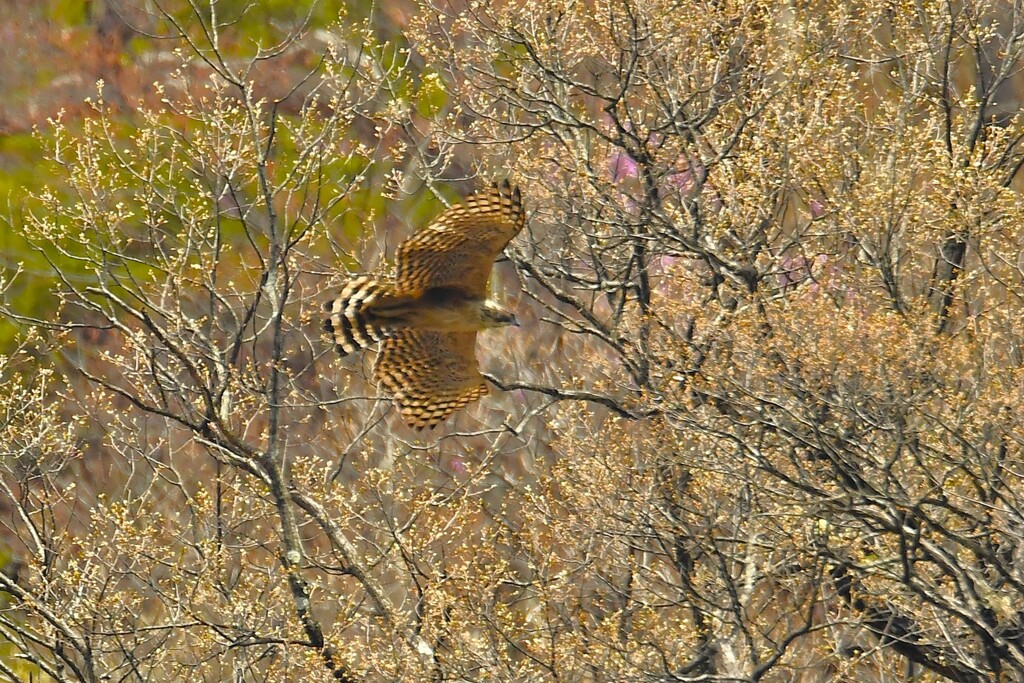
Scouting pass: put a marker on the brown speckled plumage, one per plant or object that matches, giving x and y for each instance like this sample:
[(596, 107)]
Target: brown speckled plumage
[(427, 319)]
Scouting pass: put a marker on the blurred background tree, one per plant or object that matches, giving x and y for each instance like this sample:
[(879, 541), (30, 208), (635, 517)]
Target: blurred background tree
[(762, 420)]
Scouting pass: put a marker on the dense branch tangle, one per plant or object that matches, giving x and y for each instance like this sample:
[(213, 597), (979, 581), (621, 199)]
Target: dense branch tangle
[(790, 242)]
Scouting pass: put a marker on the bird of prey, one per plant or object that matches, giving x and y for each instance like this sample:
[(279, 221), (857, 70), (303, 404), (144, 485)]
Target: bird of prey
[(426, 319)]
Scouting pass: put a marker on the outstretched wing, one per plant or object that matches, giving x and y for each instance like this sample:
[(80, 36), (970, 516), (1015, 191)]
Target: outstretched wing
[(458, 249), (429, 374)]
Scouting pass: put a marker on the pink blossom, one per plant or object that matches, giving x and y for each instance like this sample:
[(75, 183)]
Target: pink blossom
[(622, 166), (687, 177), (682, 180), (817, 209), (793, 269), (664, 263)]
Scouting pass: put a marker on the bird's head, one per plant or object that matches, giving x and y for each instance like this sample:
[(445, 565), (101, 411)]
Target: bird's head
[(494, 315)]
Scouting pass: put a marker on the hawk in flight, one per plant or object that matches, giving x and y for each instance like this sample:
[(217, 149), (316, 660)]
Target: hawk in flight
[(426, 320)]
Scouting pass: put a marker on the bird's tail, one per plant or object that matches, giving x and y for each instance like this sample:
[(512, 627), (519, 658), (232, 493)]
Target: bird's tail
[(350, 322)]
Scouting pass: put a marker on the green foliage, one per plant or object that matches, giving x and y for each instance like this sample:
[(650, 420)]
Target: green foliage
[(24, 167), (67, 11), (243, 25), (432, 96)]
